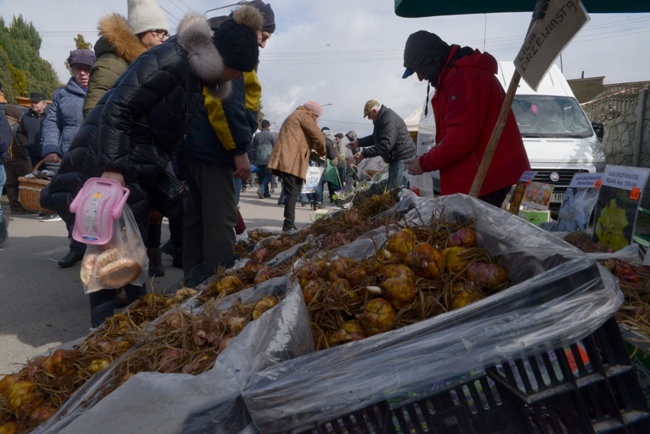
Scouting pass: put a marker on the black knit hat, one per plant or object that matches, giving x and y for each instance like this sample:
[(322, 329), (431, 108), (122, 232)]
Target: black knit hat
[(267, 13), (236, 39)]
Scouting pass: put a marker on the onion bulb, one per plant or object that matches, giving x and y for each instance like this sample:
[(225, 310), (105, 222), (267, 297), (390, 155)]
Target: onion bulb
[(229, 285), (396, 270), (399, 291), (454, 261), (465, 294), (425, 260), (98, 364), (8, 427), (310, 289), (465, 237), (266, 303), (350, 331), (378, 316), (20, 394), (401, 242), (263, 274), (8, 381), (487, 276)]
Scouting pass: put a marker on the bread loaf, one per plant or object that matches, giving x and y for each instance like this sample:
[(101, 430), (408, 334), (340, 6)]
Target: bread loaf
[(114, 270), (87, 266)]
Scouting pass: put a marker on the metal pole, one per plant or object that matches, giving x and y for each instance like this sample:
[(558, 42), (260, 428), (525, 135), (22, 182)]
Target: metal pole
[(638, 130)]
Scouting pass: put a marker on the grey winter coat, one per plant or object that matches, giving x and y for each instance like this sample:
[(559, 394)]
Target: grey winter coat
[(139, 122), (390, 138), (63, 119)]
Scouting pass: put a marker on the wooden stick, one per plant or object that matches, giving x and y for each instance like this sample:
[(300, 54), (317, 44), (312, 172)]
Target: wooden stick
[(496, 135)]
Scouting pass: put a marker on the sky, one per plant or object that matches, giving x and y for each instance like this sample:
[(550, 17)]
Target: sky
[(342, 53)]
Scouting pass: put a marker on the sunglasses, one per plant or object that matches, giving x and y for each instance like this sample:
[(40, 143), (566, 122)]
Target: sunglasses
[(161, 34)]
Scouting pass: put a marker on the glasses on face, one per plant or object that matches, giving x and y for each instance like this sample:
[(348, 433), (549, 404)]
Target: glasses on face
[(160, 34), (81, 68)]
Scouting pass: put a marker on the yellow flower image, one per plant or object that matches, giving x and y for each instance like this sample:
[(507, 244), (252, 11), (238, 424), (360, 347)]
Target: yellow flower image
[(610, 225)]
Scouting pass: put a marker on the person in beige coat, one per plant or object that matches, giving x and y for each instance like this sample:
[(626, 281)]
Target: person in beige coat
[(299, 136)]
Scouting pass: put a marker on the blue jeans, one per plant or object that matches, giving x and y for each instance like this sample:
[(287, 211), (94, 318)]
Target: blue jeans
[(396, 176), (264, 176), (238, 185)]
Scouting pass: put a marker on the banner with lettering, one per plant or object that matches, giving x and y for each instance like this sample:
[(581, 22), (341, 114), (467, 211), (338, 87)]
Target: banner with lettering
[(618, 203), (555, 23)]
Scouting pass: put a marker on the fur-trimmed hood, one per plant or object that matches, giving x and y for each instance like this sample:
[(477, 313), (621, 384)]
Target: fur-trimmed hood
[(195, 37), (116, 36)]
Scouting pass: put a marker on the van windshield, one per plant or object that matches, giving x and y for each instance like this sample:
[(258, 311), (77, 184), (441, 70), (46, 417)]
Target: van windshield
[(550, 116)]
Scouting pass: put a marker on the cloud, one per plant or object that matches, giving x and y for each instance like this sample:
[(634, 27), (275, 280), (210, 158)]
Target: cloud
[(345, 52)]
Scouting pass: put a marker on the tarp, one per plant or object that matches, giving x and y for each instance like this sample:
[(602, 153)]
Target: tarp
[(430, 8), (412, 121)]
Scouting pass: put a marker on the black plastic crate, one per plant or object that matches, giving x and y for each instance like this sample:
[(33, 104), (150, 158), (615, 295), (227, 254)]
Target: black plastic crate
[(586, 387)]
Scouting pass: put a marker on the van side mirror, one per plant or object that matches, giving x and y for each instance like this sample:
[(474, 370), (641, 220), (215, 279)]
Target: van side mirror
[(599, 129)]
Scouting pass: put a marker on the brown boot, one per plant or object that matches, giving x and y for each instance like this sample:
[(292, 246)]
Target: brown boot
[(156, 267)]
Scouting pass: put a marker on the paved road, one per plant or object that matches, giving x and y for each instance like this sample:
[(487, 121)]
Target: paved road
[(44, 306)]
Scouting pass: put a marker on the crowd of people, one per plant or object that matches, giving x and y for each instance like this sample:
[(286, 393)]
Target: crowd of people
[(145, 105)]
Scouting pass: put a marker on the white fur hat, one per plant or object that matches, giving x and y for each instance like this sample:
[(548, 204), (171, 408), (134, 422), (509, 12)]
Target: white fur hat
[(146, 15)]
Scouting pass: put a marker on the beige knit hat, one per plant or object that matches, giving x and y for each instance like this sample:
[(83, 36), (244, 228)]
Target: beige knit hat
[(146, 15)]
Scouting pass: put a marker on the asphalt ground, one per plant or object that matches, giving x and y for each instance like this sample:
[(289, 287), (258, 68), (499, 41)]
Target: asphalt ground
[(44, 306)]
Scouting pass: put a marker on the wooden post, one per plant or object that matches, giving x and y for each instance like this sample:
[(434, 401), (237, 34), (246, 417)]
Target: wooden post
[(496, 135)]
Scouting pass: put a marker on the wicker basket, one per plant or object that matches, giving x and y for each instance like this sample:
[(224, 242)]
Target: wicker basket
[(29, 191)]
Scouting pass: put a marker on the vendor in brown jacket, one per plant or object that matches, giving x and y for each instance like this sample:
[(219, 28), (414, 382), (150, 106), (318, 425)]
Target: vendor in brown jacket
[(299, 136)]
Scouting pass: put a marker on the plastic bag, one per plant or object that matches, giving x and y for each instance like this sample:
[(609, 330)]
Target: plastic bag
[(312, 179), (120, 262)]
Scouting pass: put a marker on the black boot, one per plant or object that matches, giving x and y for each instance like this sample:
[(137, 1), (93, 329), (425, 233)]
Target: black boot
[(71, 259), (156, 267)]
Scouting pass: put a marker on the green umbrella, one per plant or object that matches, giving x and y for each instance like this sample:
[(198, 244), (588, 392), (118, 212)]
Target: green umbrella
[(430, 8)]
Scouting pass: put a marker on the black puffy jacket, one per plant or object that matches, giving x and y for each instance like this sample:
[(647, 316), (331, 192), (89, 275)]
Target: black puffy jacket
[(390, 138), (140, 121)]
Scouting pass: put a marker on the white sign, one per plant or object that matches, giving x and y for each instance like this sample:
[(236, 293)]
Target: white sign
[(624, 177), (586, 180), (555, 23), (528, 175)]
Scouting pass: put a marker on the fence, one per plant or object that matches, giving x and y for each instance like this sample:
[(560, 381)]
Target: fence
[(617, 101)]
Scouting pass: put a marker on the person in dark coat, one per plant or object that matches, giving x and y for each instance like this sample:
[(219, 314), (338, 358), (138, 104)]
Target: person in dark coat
[(17, 162), (133, 130), (30, 126), (263, 143), (121, 41), (390, 140), (215, 153), (61, 123), (466, 107)]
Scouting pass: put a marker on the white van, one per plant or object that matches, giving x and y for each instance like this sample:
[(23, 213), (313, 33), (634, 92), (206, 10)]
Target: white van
[(559, 139)]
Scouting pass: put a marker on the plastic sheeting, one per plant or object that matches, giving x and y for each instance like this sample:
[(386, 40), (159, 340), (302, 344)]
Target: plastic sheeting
[(209, 402), (559, 295), (270, 379)]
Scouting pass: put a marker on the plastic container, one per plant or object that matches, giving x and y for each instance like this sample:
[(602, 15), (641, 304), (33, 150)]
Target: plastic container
[(97, 205), (587, 387)]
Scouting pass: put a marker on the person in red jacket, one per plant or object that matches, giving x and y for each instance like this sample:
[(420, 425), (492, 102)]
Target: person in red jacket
[(466, 106)]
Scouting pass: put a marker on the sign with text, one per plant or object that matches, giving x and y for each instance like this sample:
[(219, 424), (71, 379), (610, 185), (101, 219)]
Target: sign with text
[(617, 206), (586, 180), (579, 202), (626, 178), (555, 23)]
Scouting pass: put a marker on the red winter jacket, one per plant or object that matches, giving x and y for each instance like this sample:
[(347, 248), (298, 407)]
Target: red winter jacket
[(466, 106)]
